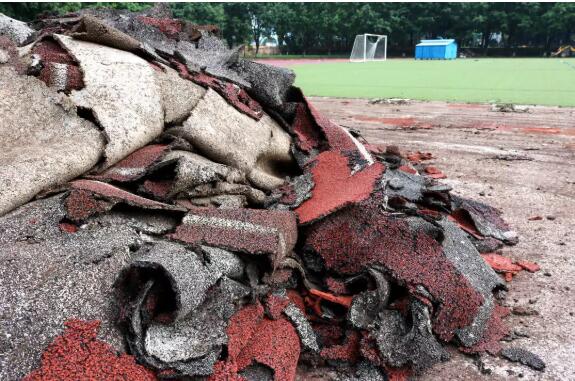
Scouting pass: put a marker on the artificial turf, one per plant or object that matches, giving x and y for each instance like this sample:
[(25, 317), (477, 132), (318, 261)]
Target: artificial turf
[(543, 81)]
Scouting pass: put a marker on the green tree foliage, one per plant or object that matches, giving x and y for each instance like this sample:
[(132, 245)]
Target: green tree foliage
[(308, 28), (200, 13), (30, 11)]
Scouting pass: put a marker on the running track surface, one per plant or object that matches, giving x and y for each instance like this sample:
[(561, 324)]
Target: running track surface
[(299, 61)]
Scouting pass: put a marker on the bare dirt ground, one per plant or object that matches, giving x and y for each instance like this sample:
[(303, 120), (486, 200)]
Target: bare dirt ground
[(522, 163)]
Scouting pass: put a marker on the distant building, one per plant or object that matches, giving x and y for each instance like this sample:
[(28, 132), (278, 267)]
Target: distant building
[(436, 50)]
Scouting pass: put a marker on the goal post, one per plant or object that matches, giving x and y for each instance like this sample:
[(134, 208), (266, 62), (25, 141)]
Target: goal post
[(369, 47)]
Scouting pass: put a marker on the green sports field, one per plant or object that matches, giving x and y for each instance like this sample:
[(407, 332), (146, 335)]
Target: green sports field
[(516, 80)]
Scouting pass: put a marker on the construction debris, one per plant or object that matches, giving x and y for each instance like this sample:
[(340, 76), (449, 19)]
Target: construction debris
[(390, 101), (509, 107), (36, 147), (507, 266), (77, 354), (506, 157), (524, 357), (153, 178), (16, 31)]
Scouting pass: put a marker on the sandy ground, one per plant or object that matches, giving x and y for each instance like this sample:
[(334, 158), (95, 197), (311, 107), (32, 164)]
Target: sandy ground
[(466, 140)]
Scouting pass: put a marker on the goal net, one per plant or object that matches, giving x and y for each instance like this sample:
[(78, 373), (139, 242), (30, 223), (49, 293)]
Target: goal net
[(369, 47)]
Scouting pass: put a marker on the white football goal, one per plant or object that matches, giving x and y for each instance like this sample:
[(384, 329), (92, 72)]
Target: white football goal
[(369, 47)]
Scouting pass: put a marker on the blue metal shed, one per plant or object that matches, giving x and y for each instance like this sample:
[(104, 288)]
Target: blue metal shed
[(436, 50)]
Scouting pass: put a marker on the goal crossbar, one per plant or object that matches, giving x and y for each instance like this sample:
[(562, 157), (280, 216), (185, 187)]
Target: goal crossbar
[(369, 47)]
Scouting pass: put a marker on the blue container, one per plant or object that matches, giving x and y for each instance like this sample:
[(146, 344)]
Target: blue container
[(436, 50)]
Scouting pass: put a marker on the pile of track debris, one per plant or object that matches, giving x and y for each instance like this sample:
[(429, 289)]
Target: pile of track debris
[(186, 213)]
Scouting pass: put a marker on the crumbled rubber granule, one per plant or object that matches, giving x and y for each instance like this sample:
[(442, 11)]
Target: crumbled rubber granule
[(78, 355)]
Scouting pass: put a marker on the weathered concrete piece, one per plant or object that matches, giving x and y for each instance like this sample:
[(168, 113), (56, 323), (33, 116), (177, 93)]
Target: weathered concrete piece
[(336, 186), (92, 29), (186, 301), (202, 182), (524, 357), (269, 84), (222, 262), (192, 345), (9, 54), (212, 56), (48, 275), (54, 66), (4, 57), (486, 219), (304, 329), (15, 30), (43, 142), (193, 170), (215, 191), (89, 198), (134, 166), (188, 277), (253, 231), (122, 91), (416, 346), (152, 40), (466, 259), (259, 148), (179, 96)]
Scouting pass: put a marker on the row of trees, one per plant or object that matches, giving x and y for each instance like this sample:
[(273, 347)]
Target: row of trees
[(331, 27)]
